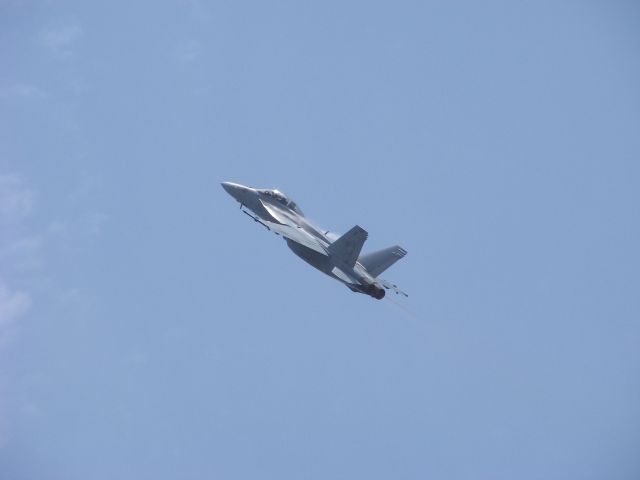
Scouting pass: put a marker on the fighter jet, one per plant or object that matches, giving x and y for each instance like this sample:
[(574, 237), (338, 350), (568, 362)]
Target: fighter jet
[(337, 256)]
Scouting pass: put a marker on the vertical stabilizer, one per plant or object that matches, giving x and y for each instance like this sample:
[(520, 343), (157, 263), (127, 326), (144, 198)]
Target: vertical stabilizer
[(345, 250)]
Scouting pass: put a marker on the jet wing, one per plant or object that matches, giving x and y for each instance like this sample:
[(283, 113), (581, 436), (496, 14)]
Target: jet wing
[(390, 286), (288, 229), (297, 235)]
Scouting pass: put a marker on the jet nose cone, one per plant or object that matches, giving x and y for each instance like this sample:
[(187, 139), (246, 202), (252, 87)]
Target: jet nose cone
[(228, 186), (236, 190)]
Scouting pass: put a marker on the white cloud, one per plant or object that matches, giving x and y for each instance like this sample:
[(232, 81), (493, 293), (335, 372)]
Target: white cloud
[(16, 203), (58, 229), (25, 91), (16, 200), (13, 304), (23, 253), (19, 249), (95, 223), (139, 358), (188, 51), (59, 41)]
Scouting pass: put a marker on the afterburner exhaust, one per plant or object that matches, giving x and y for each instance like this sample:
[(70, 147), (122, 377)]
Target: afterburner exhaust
[(375, 292)]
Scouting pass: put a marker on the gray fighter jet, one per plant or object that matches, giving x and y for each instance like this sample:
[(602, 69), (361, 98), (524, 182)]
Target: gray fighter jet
[(337, 256)]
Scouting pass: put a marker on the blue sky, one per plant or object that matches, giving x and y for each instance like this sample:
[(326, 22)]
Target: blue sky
[(148, 329)]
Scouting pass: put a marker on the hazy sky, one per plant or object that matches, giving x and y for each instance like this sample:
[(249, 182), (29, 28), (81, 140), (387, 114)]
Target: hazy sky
[(149, 330)]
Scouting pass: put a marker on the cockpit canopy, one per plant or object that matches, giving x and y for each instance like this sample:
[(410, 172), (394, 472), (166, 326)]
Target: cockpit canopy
[(281, 198)]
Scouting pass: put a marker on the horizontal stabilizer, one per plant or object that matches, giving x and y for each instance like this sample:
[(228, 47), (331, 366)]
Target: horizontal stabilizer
[(377, 262), (345, 250)]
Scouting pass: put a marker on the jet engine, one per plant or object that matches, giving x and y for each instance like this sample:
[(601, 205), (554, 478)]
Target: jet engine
[(375, 292)]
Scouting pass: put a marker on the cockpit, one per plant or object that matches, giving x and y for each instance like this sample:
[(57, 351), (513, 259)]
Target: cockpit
[(282, 198)]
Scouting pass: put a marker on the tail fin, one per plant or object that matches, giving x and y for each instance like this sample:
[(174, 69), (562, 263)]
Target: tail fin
[(377, 262), (347, 248)]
